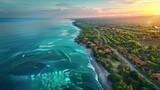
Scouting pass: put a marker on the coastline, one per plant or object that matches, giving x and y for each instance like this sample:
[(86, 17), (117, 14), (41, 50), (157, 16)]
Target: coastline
[(101, 72), (96, 48)]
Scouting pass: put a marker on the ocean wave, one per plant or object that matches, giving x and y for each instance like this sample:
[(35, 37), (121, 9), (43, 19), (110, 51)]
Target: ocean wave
[(46, 46), (41, 49), (49, 43), (64, 33), (74, 35), (92, 67), (16, 54)]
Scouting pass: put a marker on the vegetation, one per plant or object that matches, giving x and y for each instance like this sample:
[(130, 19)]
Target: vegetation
[(137, 42), (133, 81)]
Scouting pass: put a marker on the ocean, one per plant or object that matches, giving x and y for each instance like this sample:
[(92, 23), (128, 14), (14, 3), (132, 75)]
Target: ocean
[(40, 54)]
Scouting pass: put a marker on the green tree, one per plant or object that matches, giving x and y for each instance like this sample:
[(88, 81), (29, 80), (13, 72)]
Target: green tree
[(115, 77)]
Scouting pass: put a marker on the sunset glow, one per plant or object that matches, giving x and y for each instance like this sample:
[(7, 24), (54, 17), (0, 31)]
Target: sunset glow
[(82, 8), (79, 44), (151, 10)]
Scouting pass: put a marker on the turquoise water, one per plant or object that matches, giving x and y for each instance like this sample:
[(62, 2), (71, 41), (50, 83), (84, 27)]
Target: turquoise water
[(40, 54)]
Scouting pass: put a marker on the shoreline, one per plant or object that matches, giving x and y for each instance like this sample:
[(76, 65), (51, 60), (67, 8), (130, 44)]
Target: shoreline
[(88, 38), (101, 72)]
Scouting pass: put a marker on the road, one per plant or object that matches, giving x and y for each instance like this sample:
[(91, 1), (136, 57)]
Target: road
[(132, 66)]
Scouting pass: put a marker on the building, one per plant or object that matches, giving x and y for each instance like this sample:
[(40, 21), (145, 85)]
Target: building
[(138, 61), (156, 76), (107, 51), (145, 68)]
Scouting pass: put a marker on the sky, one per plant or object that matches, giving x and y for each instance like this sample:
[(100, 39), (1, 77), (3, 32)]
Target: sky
[(78, 8)]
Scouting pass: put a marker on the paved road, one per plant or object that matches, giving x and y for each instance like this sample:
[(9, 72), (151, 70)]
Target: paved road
[(133, 67)]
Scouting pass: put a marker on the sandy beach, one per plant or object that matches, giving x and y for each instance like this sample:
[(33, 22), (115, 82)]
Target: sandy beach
[(101, 72)]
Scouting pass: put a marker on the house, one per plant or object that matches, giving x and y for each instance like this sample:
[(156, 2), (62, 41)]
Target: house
[(156, 76), (108, 56), (129, 55), (100, 51), (92, 45), (107, 51), (138, 61), (145, 68), (85, 39), (124, 52), (119, 47)]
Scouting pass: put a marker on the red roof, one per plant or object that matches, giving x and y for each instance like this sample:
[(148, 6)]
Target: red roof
[(138, 61), (107, 50)]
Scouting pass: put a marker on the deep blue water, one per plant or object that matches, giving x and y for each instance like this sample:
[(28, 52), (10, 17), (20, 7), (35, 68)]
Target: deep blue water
[(40, 54)]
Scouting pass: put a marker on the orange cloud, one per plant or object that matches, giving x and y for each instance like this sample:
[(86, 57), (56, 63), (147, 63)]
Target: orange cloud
[(132, 7)]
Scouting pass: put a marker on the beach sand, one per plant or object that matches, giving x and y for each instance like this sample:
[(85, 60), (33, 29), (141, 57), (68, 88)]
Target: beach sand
[(101, 72)]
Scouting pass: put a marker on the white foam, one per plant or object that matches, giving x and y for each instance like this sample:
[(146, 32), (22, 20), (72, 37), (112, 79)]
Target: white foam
[(80, 51), (92, 67), (16, 54), (50, 43), (41, 49), (74, 35), (48, 65), (49, 52), (46, 46), (23, 55), (64, 33)]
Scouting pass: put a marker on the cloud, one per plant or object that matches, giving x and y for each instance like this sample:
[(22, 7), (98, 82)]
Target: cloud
[(64, 5), (132, 2), (77, 12), (7, 1), (75, 8), (123, 1)]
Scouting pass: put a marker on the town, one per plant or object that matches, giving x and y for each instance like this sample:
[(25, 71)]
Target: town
[(129, 50)]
